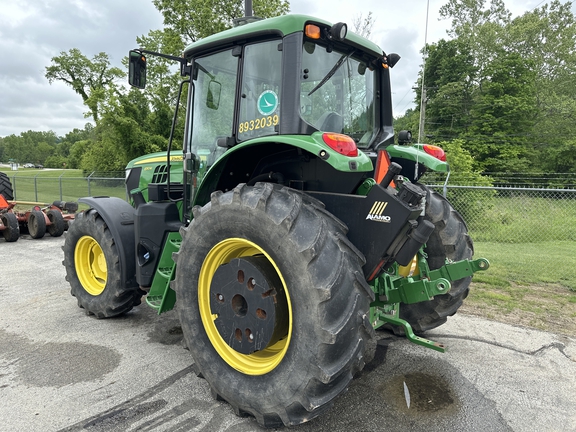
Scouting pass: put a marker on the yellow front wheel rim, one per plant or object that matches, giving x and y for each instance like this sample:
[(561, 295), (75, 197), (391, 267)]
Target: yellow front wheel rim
[(90, 265), (259, 362)]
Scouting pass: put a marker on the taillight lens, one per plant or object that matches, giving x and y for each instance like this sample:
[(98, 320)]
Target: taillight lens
[(435, 151), (343, 144)]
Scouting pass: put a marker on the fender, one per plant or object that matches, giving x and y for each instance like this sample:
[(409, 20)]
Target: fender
[(119, 217), (414, 154), (312, 144)]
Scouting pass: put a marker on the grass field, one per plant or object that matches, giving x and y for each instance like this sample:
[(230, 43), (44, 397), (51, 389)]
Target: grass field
[(64, 185), (530, 284)]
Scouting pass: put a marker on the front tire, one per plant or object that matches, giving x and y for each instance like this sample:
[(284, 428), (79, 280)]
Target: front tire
[(449, 240), (273, 303), (93, 268)]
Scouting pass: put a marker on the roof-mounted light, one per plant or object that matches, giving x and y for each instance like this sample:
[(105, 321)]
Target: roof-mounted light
[(312, 31), (338, 31)]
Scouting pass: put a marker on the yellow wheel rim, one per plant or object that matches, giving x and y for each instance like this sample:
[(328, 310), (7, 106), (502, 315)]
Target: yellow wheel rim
[(259, 362), (90, 265)]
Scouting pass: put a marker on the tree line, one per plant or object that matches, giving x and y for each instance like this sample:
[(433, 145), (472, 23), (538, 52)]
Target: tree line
[(503, 90)]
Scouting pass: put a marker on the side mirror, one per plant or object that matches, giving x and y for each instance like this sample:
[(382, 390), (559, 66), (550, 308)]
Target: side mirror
[(137, 69), (213, 96)]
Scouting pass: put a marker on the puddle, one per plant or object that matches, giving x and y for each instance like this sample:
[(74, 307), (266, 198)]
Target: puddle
[(55, 364), (420, 392)]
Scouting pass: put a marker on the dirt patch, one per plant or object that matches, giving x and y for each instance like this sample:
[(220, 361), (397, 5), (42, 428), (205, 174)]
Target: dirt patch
[(547, 307)]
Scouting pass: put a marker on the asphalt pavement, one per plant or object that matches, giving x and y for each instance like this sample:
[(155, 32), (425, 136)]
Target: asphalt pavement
[(61, 370)]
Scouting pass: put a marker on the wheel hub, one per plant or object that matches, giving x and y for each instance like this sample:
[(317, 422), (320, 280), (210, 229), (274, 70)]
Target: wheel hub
[(248, 299)]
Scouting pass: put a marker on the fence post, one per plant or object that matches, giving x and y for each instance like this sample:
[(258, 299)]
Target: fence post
[(89, 194), (14, 187), (36, 187), (60, 182)]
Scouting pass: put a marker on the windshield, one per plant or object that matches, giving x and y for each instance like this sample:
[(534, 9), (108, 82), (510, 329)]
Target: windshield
[(337, 93)]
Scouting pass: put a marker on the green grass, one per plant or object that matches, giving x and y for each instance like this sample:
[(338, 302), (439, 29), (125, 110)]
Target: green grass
[(531, 284), (47, 186), (523, 219), (528, 263)]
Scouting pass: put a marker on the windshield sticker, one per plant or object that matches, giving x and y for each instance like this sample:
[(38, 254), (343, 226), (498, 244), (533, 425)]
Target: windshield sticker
[(267, 102)]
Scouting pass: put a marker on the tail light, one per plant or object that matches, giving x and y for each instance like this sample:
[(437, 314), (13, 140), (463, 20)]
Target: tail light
[(435, 151), (343, 144)]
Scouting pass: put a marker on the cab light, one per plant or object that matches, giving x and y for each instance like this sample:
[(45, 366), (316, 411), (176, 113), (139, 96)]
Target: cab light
[(343, 144), (312, 31), (435, 151)]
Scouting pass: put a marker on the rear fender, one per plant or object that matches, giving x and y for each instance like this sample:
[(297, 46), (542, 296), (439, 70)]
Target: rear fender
[(308, 144), (119, 218), (414, 154)]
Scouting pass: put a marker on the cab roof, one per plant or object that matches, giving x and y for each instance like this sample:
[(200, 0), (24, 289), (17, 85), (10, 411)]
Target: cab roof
[(278, 26)]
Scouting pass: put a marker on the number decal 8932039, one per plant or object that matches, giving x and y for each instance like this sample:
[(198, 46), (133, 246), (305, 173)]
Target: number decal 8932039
[(259, 123)]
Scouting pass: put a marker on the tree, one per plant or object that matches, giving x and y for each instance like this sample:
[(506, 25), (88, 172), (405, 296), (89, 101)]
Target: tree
[(363, 26), (503, 115), (31, 146), (450, 81), (89, 78), (197, 19)]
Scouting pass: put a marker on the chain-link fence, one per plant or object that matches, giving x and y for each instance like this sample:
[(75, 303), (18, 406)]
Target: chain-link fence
[(515, 215), (527, 233), (522, 229), (48, 189)]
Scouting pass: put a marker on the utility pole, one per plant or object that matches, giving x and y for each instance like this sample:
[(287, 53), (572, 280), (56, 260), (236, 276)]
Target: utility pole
[(423, 92), (423, 101)]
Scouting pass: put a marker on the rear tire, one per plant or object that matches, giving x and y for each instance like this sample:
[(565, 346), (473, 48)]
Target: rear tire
[(93, 268), (36, 224), (449, 240), (6, 186), (11, 231), (316, 342)]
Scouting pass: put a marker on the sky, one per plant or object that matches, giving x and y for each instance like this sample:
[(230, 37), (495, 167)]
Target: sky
[(34, 31)]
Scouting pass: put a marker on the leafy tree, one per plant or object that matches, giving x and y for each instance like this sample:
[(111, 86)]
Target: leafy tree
[(89, 78), (30, 146), (194, 20), (449, 79), (503, 115)]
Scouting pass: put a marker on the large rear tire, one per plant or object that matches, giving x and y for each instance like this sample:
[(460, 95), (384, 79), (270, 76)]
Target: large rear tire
[(449, 240), (6, 186), (273, 303), (93, 268)]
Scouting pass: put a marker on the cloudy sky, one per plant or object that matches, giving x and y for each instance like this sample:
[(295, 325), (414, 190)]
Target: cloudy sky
[(34, 31)]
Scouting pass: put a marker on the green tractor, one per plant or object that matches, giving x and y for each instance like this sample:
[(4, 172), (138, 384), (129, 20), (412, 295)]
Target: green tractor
[(288, 228)]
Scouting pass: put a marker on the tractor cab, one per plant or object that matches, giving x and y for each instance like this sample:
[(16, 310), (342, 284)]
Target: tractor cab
[(279, 90)]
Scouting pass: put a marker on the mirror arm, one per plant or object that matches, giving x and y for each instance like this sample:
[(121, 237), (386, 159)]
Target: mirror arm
[(166, 56)]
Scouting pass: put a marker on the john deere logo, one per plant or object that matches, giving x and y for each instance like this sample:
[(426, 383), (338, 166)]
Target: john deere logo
[(375, 213), (267, 102)]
